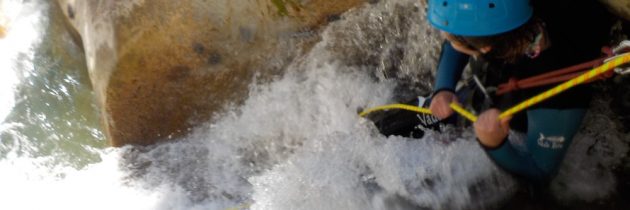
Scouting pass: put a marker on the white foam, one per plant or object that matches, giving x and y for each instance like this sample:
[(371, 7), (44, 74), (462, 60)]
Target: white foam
[(297, 143), (340, 151), (23, 32), (34, 183), (587, 172)]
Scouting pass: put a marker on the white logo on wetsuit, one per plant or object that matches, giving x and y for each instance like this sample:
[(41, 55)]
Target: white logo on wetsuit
[(553, 142), (429, 122)]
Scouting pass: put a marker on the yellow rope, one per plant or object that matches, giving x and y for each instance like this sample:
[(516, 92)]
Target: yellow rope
[(623, 59), (454, 106), (463, 112), (396, 106), (608, 66)]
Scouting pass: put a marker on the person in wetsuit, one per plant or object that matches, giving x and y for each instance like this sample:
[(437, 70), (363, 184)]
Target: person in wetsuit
[(503, 39)]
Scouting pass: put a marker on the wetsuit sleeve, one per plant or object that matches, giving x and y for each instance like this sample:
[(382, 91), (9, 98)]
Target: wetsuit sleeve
[(550, 132), (450, 68)]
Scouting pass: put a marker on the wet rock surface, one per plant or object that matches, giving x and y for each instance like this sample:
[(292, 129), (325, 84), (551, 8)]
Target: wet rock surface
[(161, 67)]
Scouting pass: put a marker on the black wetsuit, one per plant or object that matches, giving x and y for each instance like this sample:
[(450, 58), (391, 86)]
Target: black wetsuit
[(577, 31)]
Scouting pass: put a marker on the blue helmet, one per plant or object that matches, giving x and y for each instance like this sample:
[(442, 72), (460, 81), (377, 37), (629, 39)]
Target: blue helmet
[(478, 17)]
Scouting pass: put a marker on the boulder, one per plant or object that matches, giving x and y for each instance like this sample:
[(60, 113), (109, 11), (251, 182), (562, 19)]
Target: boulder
[(160, 67)]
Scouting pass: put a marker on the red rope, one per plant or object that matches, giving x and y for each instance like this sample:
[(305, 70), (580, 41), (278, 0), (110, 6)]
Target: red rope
[(556, 76)]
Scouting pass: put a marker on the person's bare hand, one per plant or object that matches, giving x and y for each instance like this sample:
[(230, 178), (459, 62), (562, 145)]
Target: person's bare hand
[(440, 104), (490, 130)]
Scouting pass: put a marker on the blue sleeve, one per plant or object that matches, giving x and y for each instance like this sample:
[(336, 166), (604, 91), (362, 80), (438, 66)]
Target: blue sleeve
[(450, 68), (549, 135)]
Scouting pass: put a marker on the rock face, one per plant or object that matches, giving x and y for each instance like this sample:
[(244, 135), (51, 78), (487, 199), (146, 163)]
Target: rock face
[(160, 67), (619, 7)]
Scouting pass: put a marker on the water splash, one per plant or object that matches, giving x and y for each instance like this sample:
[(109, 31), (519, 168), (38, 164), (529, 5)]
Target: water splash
[(588, 172), (20, 22), (34, 183), (295, 143), (53, 114), (302, 133)]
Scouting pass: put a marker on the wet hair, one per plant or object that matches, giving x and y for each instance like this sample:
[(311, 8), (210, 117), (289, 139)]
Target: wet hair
[(508, 47)]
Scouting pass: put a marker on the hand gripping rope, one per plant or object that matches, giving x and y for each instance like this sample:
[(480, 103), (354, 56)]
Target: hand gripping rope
[(610, 64)]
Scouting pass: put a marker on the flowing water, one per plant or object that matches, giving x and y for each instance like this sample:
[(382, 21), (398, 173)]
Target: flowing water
[(296, 142)]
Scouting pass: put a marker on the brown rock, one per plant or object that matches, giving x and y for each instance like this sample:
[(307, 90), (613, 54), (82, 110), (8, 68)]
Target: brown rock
[(161, 67)]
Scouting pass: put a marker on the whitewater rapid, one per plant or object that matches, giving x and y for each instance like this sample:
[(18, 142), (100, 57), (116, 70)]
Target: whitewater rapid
[(17, 49), (295, 143)]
